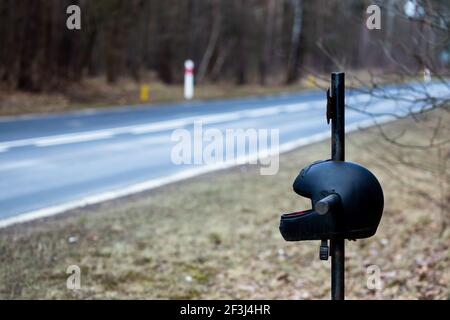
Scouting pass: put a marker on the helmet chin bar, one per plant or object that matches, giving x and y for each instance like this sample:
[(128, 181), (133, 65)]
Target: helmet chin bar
[(289, 228)]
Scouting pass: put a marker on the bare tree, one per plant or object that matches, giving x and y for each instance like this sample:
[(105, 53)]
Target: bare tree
[(294, 52)]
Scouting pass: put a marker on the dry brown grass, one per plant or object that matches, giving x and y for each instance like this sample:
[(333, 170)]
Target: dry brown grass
[(216, 236), (96, 93)]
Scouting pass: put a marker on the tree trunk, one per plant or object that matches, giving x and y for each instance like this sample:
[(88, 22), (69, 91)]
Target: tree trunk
[(294, 53), (212, 42), (268, 42)]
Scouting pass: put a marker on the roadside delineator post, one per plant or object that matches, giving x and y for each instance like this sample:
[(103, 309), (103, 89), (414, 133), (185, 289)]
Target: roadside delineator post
[(188, 79)]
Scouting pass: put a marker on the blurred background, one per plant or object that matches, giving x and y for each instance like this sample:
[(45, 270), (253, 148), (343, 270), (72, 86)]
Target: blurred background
[(250, 46)]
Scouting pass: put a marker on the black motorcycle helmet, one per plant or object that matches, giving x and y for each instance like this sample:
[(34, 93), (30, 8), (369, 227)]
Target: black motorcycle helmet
[(347, 202)]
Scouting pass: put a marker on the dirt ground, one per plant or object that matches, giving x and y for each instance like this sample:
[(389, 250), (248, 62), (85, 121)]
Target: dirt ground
[(216, 236)]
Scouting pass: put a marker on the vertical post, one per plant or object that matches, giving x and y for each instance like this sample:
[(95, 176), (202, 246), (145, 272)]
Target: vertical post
[(337, 246), (188, 79)]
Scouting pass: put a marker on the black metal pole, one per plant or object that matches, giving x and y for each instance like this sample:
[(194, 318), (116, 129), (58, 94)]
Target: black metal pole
[(337, 246)]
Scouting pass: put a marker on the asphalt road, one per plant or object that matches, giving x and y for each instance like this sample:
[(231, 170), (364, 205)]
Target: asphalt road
[(52, 163)]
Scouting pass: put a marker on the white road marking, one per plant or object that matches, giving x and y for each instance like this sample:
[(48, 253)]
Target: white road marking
[(73, 138), (158, 126)]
